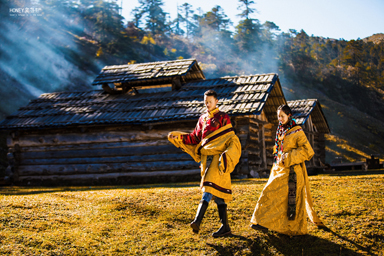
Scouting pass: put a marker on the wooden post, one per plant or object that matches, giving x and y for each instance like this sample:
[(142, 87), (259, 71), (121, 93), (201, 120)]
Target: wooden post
[(176, 83), (263, 149)]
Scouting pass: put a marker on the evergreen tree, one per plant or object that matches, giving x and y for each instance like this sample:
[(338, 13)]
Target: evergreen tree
[(155, 16), (176, 24), (137, 14), (248, 30), (248, 38), (248, 35), (245, 5), (188, 12), (216, 19), (353, 57), (269, 31), (213, 42)]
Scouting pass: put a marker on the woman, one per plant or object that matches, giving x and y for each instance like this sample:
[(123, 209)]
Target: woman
[(286, 200)]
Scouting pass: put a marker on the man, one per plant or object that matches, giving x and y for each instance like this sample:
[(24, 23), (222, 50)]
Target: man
[(213, 143)]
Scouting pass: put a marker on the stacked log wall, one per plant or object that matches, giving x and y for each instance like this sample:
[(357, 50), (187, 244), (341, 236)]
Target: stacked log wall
[(255, 135), (317, 141), (113, 155), (320, 149), (126, 154), (241, 125), (270, 134)]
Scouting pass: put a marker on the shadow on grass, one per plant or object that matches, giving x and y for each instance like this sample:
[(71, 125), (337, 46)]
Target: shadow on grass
[(148, 212), (274, 243), (346, 239), (243, 245)]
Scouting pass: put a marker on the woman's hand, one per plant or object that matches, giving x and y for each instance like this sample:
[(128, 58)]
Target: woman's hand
[(283, 157)]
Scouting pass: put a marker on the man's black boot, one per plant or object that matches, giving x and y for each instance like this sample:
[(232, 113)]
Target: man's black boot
[(224, 230), (195, 225)]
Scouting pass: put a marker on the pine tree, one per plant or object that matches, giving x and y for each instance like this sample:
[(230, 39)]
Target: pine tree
[(155, 16), (176, 24), (247, 10), (216, 19), (188, 12), (137, 14)]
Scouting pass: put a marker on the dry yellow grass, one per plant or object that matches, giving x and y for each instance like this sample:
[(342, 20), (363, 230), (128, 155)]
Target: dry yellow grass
[(147, 220)]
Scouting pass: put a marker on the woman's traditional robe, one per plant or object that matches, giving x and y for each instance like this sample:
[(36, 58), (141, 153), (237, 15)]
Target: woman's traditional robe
[(221, 144), (272, 207)]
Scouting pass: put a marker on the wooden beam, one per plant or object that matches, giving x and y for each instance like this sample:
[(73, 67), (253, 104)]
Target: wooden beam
[(103, 145), (92, 137), (106, 160), (68, 169), (102, 152), (112, 175)]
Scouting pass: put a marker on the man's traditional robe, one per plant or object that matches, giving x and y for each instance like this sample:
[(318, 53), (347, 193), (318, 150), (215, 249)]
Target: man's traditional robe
[(214, 138)]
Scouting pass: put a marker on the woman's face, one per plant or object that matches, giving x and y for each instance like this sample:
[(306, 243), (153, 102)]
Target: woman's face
[(283, 118)]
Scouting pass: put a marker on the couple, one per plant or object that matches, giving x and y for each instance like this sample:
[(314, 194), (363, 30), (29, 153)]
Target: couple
[(284, 201)]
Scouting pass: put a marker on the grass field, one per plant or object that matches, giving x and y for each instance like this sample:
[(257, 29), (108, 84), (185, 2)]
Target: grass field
[(154, 219)]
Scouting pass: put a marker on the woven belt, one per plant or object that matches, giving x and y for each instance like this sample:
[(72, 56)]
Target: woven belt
[(292, 182)]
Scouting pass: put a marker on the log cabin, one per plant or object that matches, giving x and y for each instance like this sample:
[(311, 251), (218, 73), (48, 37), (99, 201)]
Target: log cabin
[(309, 114), (117, 134)]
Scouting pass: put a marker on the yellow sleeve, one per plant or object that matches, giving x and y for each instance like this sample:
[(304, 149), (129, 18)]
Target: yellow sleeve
[(189, 149), (231, 156), (303, 152)]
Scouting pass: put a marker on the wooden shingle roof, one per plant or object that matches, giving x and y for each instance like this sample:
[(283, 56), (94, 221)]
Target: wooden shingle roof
[(302, 109), (240, 95), (151, 72)]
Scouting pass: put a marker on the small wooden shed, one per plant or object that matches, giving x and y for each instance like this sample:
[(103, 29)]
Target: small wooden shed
[(310, 116), (118, 135)]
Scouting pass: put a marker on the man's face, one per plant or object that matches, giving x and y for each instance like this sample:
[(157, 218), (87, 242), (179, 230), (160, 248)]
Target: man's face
[(210, 102)]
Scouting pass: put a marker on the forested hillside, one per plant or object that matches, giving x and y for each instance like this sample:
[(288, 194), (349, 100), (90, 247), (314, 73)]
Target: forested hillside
[(67, 43)]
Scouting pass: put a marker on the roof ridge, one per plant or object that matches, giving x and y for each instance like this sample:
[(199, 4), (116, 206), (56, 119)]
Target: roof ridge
[(251, 75), (150, 63), (70, 92), (302, 100)]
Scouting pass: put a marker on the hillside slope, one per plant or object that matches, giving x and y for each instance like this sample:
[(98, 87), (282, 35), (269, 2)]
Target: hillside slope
[(375, 38), (355, 134)]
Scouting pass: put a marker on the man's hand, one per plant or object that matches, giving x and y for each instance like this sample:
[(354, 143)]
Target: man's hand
[(171, 136)]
